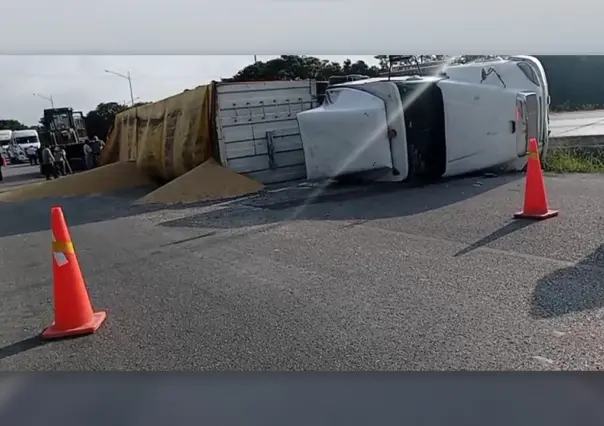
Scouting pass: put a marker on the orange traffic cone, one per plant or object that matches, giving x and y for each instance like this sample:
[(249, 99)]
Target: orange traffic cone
[(535, 196), (72, 307)]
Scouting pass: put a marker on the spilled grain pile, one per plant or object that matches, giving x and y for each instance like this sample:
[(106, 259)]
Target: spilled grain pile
[(6, 188), (209, 181), (109, 178)]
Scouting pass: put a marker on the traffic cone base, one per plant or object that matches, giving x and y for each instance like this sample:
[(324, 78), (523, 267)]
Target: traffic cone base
[(542, 216), (52, 332)]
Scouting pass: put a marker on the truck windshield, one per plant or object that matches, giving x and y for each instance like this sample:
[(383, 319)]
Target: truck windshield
[(60, 121), (26, 139)]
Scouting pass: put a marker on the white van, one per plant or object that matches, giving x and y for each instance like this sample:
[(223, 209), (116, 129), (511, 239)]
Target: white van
[(21, 140), (469, 118), (5, 138)]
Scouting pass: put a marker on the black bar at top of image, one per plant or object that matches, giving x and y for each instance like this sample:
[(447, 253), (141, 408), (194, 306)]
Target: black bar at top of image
[(301, 399)]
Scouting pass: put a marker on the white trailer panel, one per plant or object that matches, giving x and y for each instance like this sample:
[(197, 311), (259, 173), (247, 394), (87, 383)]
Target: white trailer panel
[(258, 134)]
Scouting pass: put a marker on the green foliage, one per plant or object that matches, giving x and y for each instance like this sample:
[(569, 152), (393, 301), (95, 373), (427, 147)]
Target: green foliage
[(574, 160), (12, 125), (100, 119), (384, 60), (292, 67), (575, 82)]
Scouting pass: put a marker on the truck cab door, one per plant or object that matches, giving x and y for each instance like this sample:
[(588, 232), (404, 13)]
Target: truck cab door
[(527, 121)]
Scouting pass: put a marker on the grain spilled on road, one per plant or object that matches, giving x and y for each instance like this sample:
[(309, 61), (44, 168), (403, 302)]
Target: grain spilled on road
[(109, 178), (209, 181)]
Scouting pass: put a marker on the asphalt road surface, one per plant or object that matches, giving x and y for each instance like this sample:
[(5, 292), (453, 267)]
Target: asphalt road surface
[(580, 123), (374, 279), (19, 174), (381, 278)]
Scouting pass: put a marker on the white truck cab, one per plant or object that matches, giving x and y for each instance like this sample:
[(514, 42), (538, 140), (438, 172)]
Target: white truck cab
[(5, 138), (20, 141), (468, 118)]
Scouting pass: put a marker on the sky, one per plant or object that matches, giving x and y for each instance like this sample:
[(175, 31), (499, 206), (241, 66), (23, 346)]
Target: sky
[(81, 82)]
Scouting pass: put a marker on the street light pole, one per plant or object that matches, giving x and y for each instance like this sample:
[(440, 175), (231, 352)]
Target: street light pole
[(130, 84), (125, 101), (52, 103), (127, 77)]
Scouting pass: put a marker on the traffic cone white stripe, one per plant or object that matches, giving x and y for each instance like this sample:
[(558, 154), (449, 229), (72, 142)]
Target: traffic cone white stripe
[(60, 258)]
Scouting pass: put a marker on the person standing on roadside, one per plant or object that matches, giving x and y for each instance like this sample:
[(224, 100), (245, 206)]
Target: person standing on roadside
[(31, 155), (48, 164), (88, 160), (64, 166), (59, 163), (67, 163), (97, 145)]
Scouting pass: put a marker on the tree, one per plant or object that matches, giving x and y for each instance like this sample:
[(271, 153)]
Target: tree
[(12, 125), (384, 60), (574, 81), (100, 119), (293, 67)]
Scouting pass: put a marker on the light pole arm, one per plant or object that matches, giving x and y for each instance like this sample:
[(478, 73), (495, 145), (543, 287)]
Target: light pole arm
[(127, 77), (52, 103), (118, 74), (131, 92)]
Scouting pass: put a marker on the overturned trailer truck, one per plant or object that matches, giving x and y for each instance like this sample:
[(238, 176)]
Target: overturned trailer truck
[(470, 117)]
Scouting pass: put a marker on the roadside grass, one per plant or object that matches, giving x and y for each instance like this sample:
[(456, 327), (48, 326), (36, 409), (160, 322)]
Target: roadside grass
[(569, 160)]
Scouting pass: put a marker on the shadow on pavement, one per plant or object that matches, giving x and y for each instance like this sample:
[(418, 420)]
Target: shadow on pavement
[(21, 346), (510, 228), (34, 215), (294, 201), (396, 200), (570, 290)]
